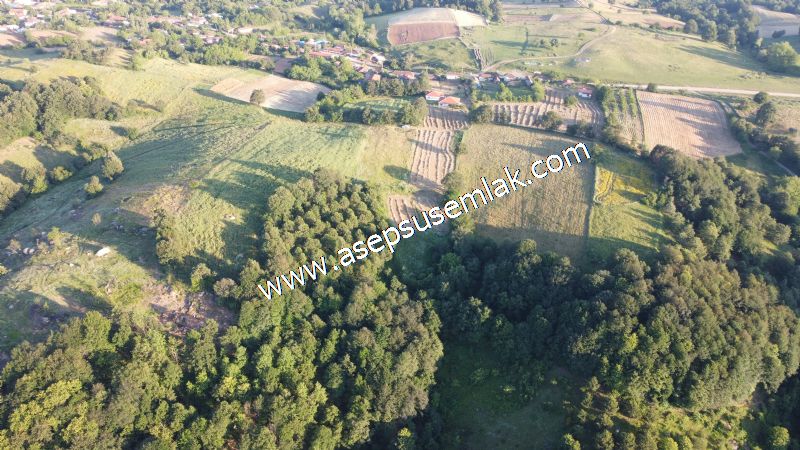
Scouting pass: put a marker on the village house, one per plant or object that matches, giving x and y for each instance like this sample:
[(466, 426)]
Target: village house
[(405, 75), (452, 76), (434, 96), (449, 102), (585, 92)]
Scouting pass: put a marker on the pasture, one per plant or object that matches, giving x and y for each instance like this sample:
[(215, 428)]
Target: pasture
[(553, 211), (280, 93), (671, 59), (211, 163), (443, 54), (528, 33), (694, 126)]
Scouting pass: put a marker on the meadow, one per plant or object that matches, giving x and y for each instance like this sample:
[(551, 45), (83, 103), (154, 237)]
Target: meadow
[(210, 162), (671, 59), (553, 211), (618, 217)]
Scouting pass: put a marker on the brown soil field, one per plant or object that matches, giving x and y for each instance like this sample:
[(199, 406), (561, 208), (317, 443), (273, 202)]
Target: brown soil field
[(11, 40), (772, 21), (409, 33), (530, 114), (445, 119), (696, 127), (281, 93)]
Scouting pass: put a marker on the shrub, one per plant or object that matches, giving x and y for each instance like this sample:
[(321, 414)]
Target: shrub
[(112, 166), (93, 187), (257, 97), (59, 174)]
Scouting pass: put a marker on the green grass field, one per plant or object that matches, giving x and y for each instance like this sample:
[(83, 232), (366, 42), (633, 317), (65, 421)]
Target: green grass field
[(671, 58), (619, 218), (444, 54), (502, 42), (553, 211), (209, 162)]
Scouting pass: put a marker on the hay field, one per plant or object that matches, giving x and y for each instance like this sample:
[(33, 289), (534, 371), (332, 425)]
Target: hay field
[(553, 211), (281, 93), (772, 21), (694, 126)]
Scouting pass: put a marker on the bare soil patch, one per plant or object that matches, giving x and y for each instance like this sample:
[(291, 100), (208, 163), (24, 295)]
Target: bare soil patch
[(421, 32), (696, 127), (280, 93), (11, 40), (100, 34)]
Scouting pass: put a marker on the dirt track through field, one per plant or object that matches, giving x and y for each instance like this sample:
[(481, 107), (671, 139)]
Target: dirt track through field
[(432, 159)]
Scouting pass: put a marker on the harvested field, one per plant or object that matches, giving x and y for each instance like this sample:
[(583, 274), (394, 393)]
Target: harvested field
[(281, 93), (431, 159), (427, 24), (100, 34), (11, 40), (402, 207), (696, 127), (530, 114), (445, 119), (772, 21), (421, 32)]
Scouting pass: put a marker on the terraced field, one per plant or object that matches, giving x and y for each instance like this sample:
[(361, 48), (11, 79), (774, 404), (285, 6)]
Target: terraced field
[(530, 114)]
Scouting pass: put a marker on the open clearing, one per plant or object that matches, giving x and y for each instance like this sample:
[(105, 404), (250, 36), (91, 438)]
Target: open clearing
[(280, 93), (696, 127), (553, 211), (772, 21), (530, 114), (425, 24), (619, 218)]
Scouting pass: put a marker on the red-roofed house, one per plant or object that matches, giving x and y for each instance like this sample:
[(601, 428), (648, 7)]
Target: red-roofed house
[(450, 101), (585, 92), (434, 96)]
